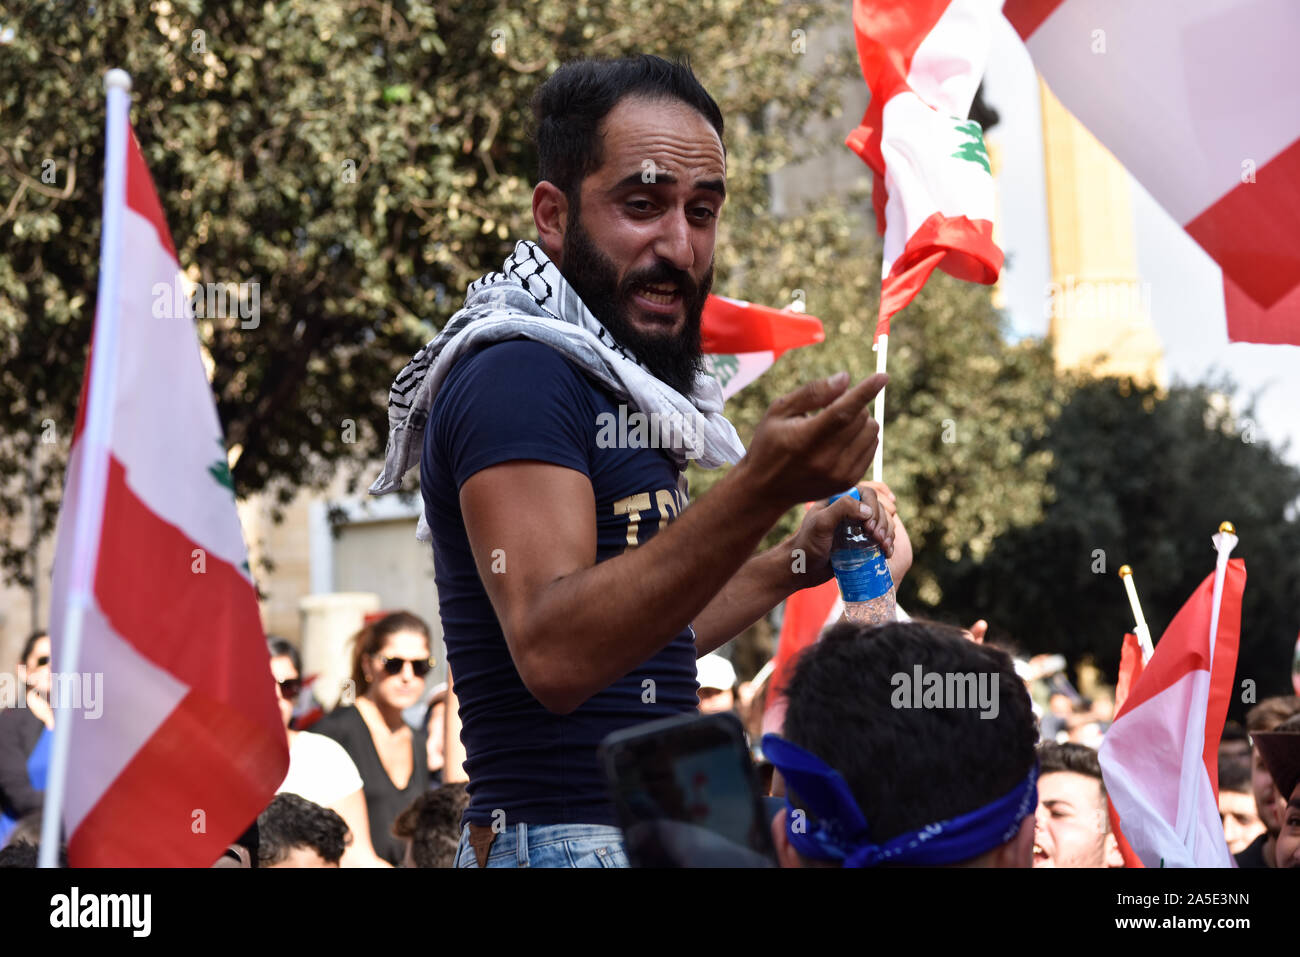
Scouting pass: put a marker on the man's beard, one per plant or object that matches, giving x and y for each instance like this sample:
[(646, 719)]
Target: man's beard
[(674, 360)]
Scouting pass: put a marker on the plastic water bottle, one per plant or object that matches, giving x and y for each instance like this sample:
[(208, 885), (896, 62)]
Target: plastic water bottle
[(862, 572)]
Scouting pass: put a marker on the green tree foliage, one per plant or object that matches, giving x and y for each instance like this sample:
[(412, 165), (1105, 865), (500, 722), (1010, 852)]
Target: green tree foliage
[(363, 161), (360, 161), (1144, 479)]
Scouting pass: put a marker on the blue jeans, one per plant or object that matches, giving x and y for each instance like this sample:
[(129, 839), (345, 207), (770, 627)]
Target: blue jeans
[(549, 845)]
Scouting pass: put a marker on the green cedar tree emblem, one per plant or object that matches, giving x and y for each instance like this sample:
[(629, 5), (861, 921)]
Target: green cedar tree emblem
[(725, 368), (972, 150), (220, 469)]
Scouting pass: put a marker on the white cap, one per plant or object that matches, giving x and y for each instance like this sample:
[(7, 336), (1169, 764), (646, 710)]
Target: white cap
[(715, 671)]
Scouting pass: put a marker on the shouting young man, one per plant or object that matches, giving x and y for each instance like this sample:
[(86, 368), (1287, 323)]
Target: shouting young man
[(553, 419)]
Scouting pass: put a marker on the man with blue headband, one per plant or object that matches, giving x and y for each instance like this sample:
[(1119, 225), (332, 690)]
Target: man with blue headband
[(905, 745)]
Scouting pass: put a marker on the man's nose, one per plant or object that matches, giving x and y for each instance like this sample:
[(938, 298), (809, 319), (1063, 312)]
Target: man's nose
[(674, 242)]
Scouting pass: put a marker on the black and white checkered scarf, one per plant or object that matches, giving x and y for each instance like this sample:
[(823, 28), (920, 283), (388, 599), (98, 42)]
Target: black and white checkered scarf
[(529, 299)]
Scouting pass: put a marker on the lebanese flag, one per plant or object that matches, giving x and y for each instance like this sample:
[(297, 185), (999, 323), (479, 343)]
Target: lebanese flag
[(932, 186), (742, 340), (151, 583), (1130, 669), (1160, 757), (1197, 100), (808, 612)]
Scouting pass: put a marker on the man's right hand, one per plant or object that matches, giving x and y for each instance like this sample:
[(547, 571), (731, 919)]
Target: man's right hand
[(800, 457)]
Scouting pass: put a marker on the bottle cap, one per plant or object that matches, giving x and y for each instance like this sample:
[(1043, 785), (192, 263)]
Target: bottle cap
[(851, 493)]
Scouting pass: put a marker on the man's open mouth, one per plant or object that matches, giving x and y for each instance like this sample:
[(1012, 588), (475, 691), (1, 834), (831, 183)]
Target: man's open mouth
[(659, 298)]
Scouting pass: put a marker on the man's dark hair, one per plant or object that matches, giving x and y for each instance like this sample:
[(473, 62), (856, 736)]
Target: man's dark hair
[(909, 767), (1271, 712), (569, 107), (1234, 733), (23, 854), (432, 825), (291, 821), (1077, 758), (1235, 773), (20, 854)]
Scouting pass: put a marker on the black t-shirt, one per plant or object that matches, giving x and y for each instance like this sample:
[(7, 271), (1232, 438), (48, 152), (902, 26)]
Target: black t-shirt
[(524, 400), (19, 732), (383, 800), (1253, 856)]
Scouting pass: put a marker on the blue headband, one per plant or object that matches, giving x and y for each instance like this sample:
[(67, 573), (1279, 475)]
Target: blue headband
[(840, 832)]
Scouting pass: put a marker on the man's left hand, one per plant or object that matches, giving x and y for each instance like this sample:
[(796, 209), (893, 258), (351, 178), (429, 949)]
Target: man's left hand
[(810, 547)]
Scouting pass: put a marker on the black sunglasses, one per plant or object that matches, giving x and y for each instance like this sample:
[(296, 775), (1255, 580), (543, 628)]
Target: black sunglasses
[(290, 687), (394, 666)]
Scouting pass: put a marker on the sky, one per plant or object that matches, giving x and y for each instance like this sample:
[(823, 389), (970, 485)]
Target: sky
[(1186, 285)]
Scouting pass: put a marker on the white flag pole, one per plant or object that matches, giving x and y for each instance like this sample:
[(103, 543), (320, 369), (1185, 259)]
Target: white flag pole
[(92, 451), (1140, 629), (1215, 854), (1224, 542), (878, 463)]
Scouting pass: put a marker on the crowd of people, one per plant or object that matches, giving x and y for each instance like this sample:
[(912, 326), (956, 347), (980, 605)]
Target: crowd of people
[(365, 786)]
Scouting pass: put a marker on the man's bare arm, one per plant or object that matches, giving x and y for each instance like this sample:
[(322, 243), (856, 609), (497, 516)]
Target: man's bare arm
[(574, 626), (756, 589)]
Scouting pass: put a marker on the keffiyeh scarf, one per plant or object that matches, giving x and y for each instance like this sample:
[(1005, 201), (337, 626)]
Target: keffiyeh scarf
[(529, 299)]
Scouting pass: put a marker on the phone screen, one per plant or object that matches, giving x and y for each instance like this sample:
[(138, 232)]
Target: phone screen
[(687, 795)]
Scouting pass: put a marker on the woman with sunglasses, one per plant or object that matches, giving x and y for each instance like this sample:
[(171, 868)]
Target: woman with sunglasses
[(319, 769), (22, 726), (390, 659)]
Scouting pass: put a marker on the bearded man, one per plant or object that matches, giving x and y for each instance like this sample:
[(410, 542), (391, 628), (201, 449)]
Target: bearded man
[(552, 420)]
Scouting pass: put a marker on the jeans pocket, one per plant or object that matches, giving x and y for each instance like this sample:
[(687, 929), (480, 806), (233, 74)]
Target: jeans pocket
[(584, 855)]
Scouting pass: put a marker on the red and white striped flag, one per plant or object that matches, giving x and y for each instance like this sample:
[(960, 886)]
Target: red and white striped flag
[(1130, 669), (742, 340), (808, 612), (1160, 758), (1198, 101), (933, 187), (151, 583)]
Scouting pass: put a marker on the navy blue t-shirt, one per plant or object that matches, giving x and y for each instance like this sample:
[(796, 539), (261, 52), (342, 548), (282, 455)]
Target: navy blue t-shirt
[(524, 400)]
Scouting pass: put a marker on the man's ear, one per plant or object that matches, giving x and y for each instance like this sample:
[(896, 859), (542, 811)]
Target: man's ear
[(551, 217), (1113, 857), (1019, 851), (786, 855)]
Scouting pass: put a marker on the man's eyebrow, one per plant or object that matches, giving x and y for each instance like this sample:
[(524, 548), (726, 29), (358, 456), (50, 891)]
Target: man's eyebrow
[(632, 180), (1052, 802)]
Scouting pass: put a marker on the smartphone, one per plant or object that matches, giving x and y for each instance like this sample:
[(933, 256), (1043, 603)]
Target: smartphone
[(687, 794)]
